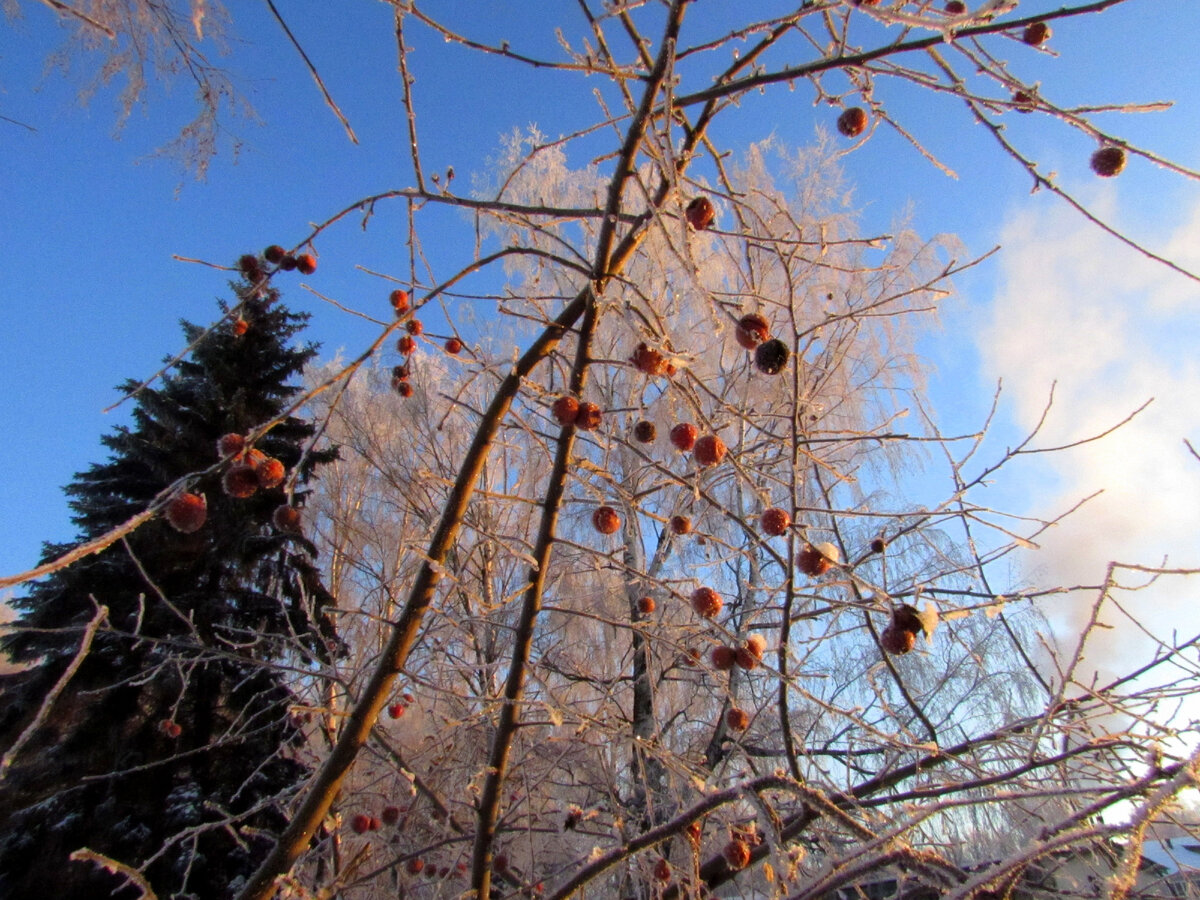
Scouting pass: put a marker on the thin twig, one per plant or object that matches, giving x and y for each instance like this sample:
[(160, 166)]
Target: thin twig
[(43, 712), (313, 71)]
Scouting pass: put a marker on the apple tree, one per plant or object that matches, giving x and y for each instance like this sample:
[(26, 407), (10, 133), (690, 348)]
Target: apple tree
[(641, 593)]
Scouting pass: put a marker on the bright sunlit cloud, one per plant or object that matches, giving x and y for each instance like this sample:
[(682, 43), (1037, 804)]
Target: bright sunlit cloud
[(1109, 330)]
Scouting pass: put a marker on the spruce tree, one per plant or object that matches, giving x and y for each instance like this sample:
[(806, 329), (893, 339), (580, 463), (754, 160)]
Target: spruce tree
[(172, 749)]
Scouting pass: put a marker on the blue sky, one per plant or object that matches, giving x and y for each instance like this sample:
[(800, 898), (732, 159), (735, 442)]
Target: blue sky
[(92, 294)]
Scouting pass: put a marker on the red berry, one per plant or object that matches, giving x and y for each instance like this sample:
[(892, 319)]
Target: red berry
[(648, 360), (454, 346), (745, 659), (1108, 161), (737, 854), (396, 710), (683, 436), (811, 562), (818, 560), (306, 263), (1024, 102), (361, 823), (240, 326), (230, 445), (662, 870), (706, 602), (756, 645), (250, 267), (605, 520), (414, 326), (723, 658), (589, 417), (240, 480), (170, 728), (187, 512), (253, 458), (287, 263), (391, 815), (700, 213), (565, 410), (955, 7), (878, 545), (274, 254), (751, 331), (286, 518), (709, 450), (270, 472), (681, 524), (645, 605), (376, 824), (775, 521), (399, 299), (897, 641), (1036, 33), (737, 720), (853, 121), (415, 866), (405, 389), (645, 432), (406, 345)]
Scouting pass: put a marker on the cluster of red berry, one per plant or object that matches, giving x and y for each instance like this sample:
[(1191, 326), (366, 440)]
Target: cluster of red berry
[(1106, 162), (249, 470), (747, 656), (396, 710), (407, 344)]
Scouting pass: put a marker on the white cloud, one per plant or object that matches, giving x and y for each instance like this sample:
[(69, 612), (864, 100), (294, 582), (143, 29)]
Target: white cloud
[(1112, 329)]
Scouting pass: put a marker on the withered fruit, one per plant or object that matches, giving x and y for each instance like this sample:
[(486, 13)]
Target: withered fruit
[(683, 436), (1036, 33), (723, 658), (897, 641), (737, 854), (816, 560), (240, 481), (565, 410), (1108, 161), (589, 416), (853, 121), (709, 450), (648, 360), (645, 432), (706, 602), (700, 213), (752, 329), (286, 518), (775, 521), (187, 512), (771, 356), (605, 520)]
